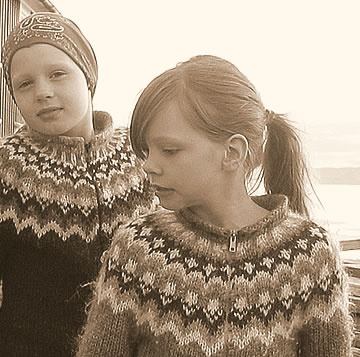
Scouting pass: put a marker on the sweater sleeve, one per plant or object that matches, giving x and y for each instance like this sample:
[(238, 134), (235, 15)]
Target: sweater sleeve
[(327, 331), (3, 252), (7, 243), (106, 333), (110, 329)]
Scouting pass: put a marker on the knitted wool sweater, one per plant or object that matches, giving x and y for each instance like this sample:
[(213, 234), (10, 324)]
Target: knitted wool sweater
[(174, 286), (60, 201)]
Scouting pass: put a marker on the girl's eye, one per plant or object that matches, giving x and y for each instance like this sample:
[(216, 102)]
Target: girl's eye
[(170, 151), (24, 84), (57, 74)]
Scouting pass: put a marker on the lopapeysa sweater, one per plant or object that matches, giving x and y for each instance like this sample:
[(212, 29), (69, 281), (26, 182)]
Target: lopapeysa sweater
[(172, 285), (60, 201)]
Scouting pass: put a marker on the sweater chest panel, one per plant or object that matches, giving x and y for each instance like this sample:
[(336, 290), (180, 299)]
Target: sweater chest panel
[(69, 188), (196, 292), (157, 275)]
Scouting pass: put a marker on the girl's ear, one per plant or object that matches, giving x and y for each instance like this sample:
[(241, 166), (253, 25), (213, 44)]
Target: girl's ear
[(236, 151)]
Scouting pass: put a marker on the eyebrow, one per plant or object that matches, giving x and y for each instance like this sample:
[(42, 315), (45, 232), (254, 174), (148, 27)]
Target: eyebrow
[(50, 66), (18, 77), (161, 139)]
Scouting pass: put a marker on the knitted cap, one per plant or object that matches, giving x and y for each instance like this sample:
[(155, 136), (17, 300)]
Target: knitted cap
[(55, 30)]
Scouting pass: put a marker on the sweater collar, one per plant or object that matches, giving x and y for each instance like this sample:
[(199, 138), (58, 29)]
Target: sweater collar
[(278, 208), (102, 127), (68, 149)]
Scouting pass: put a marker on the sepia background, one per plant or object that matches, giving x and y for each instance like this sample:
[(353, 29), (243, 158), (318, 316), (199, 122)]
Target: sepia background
[(302, 56)]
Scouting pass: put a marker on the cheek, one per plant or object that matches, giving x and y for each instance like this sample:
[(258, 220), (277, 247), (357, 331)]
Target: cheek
[(79, 98), (194, 176), (23, 104), (79, 85), (76, 103)]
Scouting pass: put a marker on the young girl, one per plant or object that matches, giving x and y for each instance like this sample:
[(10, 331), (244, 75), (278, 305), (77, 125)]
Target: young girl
[(67, 179), (218, 272)]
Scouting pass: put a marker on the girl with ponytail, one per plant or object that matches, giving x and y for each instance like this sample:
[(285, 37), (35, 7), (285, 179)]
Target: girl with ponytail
[(283, 167), (218, 271)]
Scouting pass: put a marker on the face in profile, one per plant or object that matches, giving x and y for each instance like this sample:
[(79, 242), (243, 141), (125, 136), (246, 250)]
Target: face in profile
[(183, 164), (51, 91)]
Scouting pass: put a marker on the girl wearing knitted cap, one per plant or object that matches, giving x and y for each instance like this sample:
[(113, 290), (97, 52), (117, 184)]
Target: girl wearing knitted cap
[(67, 179), (218, 272)]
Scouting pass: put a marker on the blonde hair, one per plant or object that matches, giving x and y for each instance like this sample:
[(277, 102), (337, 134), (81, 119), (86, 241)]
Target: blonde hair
[(219, 100)]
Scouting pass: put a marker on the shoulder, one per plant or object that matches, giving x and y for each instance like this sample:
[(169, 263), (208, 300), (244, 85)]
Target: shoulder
[(306, 247), (297, 226), (21, 144), (316, 257), (312, 237), (121, 146), (319, 239), (122, 131), (145, 226), (309, 259), (13, 150), (321, 275), (120, 139), (136, 237), (11, 140)]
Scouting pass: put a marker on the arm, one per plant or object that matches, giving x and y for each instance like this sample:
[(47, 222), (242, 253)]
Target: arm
[(110, 329), (327, 331), (7, 243), (106, 333)]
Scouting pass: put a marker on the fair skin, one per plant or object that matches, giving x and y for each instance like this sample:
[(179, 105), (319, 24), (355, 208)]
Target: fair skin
[(189, 170), (51, 92)]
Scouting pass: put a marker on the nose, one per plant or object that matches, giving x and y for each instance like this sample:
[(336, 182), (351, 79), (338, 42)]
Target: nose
[(151, 166), (43, 90)]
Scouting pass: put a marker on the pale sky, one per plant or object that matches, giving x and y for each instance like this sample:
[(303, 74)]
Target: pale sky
[(302, 56)]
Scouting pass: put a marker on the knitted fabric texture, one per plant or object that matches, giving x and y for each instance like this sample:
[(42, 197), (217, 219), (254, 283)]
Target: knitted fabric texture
[(60, 201), (170, 287)]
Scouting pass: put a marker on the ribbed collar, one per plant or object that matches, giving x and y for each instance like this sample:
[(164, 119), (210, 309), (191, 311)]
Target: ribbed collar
[(71, 149), (278, 208), (102, 126)]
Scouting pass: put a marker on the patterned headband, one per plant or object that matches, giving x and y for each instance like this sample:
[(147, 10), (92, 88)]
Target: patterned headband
[(55, 30)]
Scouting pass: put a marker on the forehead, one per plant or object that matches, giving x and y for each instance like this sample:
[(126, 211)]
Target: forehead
[(171, 122), (169, 118), (40, 54)]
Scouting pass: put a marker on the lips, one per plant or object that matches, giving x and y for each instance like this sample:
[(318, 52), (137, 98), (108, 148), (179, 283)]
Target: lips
[(49, 112), (161, 189)]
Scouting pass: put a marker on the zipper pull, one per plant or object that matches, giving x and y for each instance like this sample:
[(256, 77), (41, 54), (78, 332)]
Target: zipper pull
[(232, 242)]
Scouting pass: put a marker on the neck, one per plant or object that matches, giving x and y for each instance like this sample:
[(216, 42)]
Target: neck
[(233, 210), (88, 134), (85, 128)]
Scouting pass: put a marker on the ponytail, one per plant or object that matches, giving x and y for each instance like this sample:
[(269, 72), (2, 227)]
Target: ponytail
[(284, 168)]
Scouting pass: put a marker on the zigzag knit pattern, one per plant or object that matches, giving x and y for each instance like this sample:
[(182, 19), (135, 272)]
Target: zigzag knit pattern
[(63, 179), (171, 287), (60, 201)]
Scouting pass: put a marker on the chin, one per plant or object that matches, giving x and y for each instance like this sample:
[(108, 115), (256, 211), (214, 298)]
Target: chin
[(171, 206), (167, 206), (46, 129)]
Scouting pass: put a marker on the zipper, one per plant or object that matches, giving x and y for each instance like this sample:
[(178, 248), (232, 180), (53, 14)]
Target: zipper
[(232, 242)]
